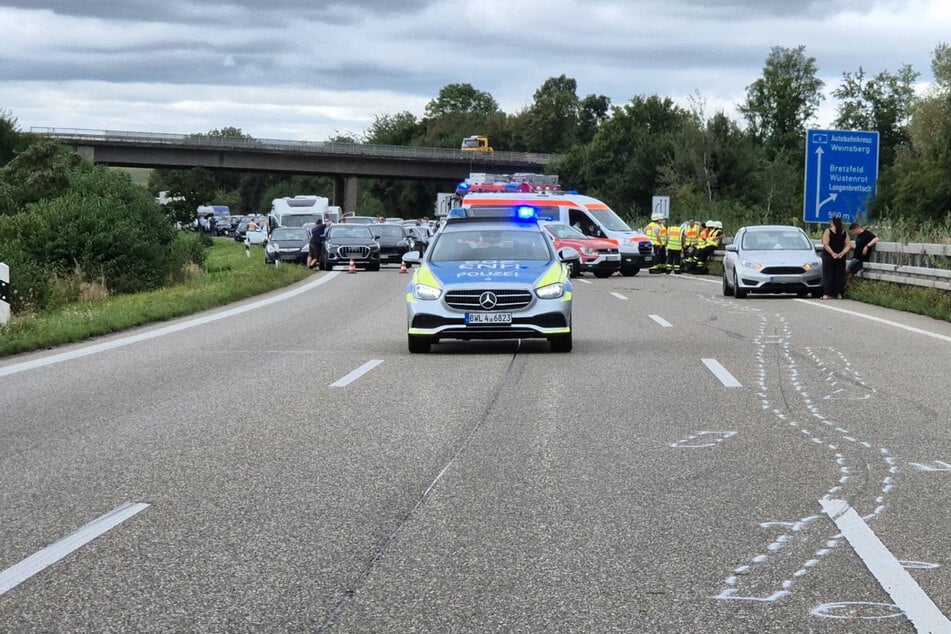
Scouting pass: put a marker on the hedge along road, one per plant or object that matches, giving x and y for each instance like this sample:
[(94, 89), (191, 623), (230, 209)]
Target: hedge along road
[(630, 485)]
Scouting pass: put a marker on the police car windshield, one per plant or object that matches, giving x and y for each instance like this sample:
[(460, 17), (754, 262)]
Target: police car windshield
[(458, 246), (609, 220)]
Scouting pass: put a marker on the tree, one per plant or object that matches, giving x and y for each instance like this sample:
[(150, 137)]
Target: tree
[(398, 129), (11, 139), (461, 98), (780, 103), (594, 111), (553, 120), (882, 103)]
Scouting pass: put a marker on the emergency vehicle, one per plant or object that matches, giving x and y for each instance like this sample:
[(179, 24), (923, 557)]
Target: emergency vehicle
[(490, 274), (591, 216)]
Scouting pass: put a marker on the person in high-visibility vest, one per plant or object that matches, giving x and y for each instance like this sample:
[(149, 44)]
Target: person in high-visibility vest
[(657, 233), (675, 234), (711, 244), (691, 237)]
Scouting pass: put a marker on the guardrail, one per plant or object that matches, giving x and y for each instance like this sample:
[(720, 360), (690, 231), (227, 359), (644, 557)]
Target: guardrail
[(914, 264), (323, 147)]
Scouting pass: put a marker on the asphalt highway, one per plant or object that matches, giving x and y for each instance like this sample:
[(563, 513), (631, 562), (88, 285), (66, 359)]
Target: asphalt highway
[(698, 463)]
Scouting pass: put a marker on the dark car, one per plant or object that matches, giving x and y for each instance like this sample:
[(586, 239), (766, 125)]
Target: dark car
[(287, 244), (346, 242), (418, 238), (393, 242)]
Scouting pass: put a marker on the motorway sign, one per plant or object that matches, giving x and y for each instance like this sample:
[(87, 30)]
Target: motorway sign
[(660, 205), (841, 174)]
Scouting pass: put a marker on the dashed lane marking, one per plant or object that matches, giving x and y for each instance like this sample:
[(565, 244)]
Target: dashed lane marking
[(18, 573), (356, 374), (721, 373), (660, 320)]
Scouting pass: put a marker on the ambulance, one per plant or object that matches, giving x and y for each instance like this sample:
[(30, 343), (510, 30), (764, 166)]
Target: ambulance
[(590, 215)]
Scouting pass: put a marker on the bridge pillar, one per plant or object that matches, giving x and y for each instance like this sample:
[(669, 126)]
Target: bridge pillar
[(351, 194), (88, 152), (339, 183)]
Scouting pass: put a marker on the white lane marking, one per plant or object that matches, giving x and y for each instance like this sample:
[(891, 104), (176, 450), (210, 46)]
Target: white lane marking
[(356, 374), (618, 295), (160, 332), (880, 320), (891, 575), (660, 320), (721, 373), (18, 573), (584, 281)]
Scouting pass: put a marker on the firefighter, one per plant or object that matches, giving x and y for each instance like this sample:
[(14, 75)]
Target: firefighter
[(711, 244), (657, 232), (691, 238), (675, 236)]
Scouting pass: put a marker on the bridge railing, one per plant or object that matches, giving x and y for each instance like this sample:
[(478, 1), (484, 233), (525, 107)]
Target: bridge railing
[(79, 135)]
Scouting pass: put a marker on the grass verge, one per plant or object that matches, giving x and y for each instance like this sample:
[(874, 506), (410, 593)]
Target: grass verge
[(932, 302), (229, 275)]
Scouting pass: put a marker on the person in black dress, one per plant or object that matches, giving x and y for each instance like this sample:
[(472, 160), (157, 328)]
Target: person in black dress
[(835, 248)]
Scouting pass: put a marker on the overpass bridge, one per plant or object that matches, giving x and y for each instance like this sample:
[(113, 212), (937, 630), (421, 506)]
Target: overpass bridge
[(345, 162)]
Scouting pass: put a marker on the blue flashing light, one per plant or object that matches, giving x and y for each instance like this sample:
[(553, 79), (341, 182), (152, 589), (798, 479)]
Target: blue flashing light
[(511, 187), (456, 212), (525, 213)]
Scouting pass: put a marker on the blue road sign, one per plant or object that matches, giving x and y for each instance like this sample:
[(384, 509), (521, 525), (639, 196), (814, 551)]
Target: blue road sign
[(841, 174)]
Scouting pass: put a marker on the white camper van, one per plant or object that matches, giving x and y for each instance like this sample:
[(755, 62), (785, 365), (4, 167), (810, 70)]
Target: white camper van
[(298, 211)]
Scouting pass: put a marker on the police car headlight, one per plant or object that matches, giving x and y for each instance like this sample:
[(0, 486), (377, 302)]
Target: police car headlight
[(421, 291), (552, 291), (750, 264)]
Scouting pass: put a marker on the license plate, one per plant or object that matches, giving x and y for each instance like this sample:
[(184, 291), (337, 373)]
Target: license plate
[(612, 257), (488, 318)]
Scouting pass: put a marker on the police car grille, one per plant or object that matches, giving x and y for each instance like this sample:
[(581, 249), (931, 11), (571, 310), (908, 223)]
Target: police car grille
[(645, 248), (353, 251), (506, 299)]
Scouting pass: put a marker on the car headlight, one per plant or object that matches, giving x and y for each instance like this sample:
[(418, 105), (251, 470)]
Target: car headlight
[(589, 250), (305, 248), (750, 264), (330, 246), (810, 265), (272, 247), (552, 291), (421, 291)]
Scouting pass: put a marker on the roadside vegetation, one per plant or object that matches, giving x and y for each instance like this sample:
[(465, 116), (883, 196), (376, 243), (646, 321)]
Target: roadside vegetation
[(83, 309)]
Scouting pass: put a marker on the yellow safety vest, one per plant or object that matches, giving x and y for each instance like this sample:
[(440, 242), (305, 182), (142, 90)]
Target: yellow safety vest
[(653, 232), (691, 234), (675, 238), (663, 234), (702, 237)]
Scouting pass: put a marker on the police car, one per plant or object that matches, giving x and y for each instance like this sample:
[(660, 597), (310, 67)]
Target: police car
[(490, 273)]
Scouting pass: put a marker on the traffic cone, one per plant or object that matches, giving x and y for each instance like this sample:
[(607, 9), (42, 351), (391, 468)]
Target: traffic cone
[(353, 267), (403, 268)]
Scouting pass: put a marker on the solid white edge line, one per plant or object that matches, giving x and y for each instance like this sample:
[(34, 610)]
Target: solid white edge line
[(660, 320), (160, 332), (356, 374), (887, 570), (919, 331), (721, 373), (618, 295), (18, 573)]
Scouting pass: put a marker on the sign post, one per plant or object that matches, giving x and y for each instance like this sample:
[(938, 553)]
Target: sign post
[(4, 293), (841, 174)]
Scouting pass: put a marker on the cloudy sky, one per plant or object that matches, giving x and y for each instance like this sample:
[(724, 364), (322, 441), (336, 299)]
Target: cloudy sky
[(310, 69)]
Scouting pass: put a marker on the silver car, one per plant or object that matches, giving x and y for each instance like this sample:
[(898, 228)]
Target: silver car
[(771, 259)]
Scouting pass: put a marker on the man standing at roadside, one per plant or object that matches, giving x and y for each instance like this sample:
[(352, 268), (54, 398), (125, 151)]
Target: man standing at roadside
[(316, 244), (865, 241)]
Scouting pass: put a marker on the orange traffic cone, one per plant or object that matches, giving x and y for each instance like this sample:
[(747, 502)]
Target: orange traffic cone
[(403, 268), (353, 267)]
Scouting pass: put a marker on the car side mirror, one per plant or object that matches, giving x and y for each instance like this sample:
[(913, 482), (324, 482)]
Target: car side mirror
[(732, 247), (567, 254), (412, 257)]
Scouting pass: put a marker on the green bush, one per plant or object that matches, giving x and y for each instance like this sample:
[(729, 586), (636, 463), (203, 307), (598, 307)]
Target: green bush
[(30, 286)]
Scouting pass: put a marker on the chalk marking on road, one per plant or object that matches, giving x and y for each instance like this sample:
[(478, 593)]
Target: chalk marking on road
[(888, 571), (356, 374), (721, 373), (18, 573), (160, 332), (660, 320), (720, 436), (619, 296), (851, 610), (585, 281)]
